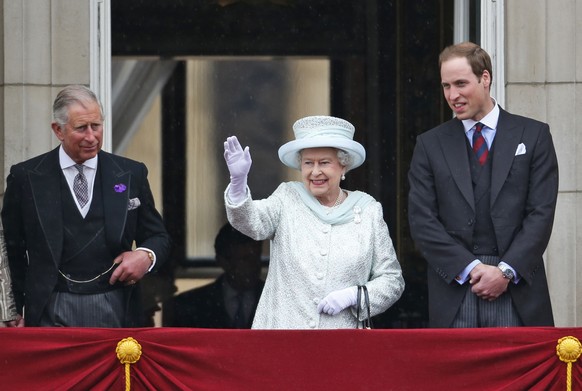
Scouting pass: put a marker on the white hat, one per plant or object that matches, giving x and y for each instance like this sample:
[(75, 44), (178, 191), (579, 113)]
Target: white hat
[(322, 131)]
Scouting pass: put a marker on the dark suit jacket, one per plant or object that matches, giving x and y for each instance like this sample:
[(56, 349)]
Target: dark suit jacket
[(33, 223), (202, 308), (523, 200)]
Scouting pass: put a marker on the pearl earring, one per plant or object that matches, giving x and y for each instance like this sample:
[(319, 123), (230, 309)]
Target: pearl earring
[(343, 177)]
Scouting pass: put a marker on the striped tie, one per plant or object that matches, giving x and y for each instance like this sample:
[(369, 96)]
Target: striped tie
[(479, 144)]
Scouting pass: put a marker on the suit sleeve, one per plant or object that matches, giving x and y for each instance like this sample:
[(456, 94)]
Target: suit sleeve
[(14, 235), (7, 305), (444, 253), (531, 239)]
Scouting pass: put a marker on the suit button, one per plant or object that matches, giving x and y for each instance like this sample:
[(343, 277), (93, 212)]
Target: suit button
[(475, 248)]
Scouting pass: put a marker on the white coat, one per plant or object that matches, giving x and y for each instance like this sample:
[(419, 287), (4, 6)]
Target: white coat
[(310, 258)]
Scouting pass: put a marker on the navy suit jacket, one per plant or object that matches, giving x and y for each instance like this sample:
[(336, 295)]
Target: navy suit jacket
[(32, 215), (441, 212)]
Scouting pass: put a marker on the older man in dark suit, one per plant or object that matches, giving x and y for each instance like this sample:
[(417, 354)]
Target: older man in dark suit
[(483, 190), (72, 217)]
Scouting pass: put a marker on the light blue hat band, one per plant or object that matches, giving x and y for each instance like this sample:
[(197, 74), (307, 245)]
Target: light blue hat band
[(324, 131)]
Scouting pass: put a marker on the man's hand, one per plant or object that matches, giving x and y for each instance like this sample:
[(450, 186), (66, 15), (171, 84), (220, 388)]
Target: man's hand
[(488, 282), (18, 322), (133, 265)]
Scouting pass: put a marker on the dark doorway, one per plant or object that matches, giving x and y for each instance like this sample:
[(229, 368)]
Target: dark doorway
[(383, 78)]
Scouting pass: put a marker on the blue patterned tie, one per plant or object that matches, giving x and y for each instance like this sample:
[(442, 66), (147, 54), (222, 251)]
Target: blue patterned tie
[(479, 144)]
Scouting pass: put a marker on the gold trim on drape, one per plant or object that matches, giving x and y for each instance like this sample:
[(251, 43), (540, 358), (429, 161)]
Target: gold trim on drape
[(568, 350), (128, 352)]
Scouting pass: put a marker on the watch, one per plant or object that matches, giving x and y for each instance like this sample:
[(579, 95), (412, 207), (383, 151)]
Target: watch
[(507, 272)]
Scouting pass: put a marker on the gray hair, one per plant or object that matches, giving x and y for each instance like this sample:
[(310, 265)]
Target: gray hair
[(345, 159), (73, 94)]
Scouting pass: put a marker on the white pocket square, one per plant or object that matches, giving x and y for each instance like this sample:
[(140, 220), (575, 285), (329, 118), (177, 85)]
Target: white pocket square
[(520, 149), (133, 204)]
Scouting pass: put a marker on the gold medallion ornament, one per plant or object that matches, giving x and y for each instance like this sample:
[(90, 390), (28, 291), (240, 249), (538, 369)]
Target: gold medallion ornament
[(568, 350), (128, 352)]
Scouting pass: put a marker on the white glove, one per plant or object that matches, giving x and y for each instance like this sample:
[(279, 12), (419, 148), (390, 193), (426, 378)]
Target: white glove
[(337, 301), (239, 164)]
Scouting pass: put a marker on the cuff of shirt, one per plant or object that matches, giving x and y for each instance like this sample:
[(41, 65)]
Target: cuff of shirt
[(463, 276), (148, 250)]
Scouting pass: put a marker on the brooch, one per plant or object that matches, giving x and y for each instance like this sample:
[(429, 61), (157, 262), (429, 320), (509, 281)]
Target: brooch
[(357, 217)]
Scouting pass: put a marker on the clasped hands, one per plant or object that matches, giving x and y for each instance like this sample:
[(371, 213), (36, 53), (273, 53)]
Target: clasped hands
[(487, 282), (18, 322)]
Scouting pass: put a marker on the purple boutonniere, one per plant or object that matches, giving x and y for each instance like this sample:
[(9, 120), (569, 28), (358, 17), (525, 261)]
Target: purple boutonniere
[(119, 188)]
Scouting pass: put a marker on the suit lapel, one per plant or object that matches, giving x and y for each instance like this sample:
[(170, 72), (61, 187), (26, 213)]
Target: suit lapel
[(115, 197), (507, 138), (45, 182), (454, 146)]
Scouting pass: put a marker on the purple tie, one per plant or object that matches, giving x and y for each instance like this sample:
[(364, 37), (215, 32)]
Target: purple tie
[(479, 144)]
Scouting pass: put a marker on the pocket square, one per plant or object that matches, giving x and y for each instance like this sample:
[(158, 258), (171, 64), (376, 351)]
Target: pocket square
[(520, 149), (133, 204)]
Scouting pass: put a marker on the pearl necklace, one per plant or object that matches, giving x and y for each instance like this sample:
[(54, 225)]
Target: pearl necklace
[(339, 198)]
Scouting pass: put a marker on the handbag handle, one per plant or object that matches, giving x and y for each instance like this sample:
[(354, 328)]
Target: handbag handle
[(366, 323)]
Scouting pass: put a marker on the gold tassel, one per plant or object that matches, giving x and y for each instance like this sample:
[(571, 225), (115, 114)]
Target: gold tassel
[(128, 352), (569, 349)]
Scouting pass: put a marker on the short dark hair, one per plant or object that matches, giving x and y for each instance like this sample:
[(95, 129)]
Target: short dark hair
[(228, 237), (478, 58)]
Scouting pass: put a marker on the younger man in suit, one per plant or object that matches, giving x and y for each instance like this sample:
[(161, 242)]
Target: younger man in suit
[(71, 219), (483, 190)]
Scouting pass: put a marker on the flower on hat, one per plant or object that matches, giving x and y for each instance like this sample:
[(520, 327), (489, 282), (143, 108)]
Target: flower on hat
[(119, 188)]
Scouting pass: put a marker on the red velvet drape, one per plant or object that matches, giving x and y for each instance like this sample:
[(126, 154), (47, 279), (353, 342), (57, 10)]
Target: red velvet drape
[(199, 359)]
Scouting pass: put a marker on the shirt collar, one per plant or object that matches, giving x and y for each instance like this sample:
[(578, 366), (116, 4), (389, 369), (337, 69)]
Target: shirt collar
[(490, 120), (66, 161)]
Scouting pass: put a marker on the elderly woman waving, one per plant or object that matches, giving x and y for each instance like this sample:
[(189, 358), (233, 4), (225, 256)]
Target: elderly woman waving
[(325, 240)]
